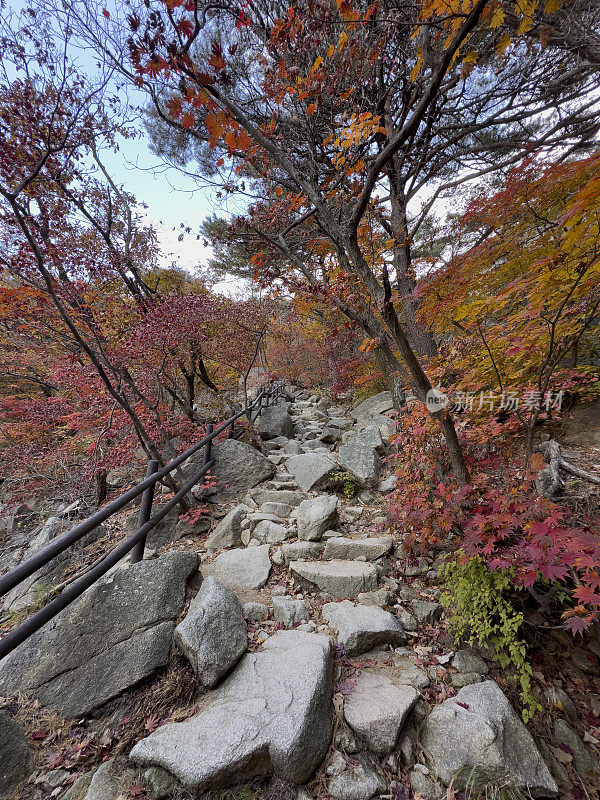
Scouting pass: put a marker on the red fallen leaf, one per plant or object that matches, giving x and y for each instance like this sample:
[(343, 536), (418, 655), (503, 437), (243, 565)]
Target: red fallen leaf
[(345, 687), (106, 14), (151, 723), (125, 721), (41, 734), (53, 760), (136, 790), (462, 705)]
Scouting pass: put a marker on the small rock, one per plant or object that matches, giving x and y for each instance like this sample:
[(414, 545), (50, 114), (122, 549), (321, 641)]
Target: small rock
[(310, 470), (380, 597), (361, 628), (426, 613), (376, 710), (460, 679), (293, 551), (289, 611), (110, 782), (337, 764), (344, 740), (421, 784), (358, 782), (16, 763), (248, 568), (339, 579), (158, 783), (228, 531), (271, 533), (465, 661), (288, 497), (558, 699), (407, 620), (279, 509), (255, 612), (388, 485), (371, 549), (315, 516), (212, 636), (585, 764)]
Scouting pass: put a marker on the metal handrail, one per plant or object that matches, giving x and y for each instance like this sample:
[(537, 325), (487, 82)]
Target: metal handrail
[(135, 542)]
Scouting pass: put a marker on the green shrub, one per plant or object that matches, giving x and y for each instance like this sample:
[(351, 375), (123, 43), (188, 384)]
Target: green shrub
[(482, 614), (344, 482)]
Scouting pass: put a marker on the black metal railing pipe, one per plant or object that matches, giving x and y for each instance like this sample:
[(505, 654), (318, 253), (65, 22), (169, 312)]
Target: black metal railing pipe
[(26, 629), (61, 543)]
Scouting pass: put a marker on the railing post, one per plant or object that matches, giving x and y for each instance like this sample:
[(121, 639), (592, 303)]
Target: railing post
[(208, 446), (137, 552), (231, 433)]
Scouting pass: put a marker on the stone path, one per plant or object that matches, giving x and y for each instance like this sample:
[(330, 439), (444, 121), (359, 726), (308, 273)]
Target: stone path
[(301, 556), (292, 569)]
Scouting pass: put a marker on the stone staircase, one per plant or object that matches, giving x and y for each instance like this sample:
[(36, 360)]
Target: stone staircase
[(308, 638)]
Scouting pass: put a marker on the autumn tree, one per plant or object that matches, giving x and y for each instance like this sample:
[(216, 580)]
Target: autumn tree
[(114, 343), (338, 114)]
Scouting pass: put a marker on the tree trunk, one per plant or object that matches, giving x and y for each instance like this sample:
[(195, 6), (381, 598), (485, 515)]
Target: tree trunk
[(100, 488)]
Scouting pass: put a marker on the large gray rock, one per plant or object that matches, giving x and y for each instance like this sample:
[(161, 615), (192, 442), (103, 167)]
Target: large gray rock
[(229, 530), (275, 421), (377, 404), (479, 729), (310, 470), (36, 586), (245, 568), (16, 763), (273, 715), (340, 579), (213, 635), (361, 455), (371, 549), (239, 467), (315, 516), (361, 628), (376, 709), (117, 633)]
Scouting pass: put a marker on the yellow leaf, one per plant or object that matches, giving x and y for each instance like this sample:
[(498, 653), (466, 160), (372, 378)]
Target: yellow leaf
[(417, 67), (471, 57), (330, 50), (498, 18), (316, 65), (552, 6), (343, 40), (503, 43)]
